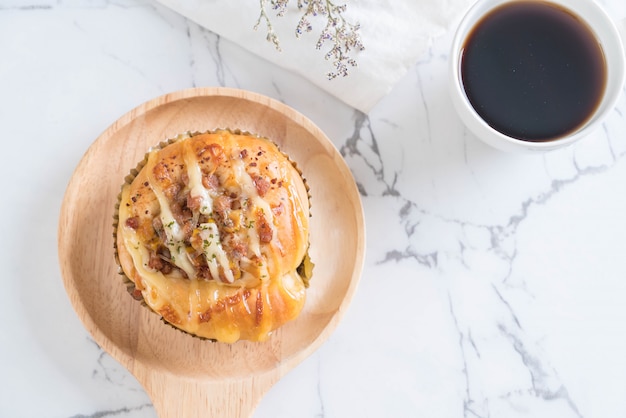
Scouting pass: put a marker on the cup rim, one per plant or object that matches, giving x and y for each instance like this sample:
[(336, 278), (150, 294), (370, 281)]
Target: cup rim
[(603, 28)]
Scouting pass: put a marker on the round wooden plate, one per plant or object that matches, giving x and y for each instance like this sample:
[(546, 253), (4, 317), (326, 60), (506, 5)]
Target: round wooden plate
[(183, 375)]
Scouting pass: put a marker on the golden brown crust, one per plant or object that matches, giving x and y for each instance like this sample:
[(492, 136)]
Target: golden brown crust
[(211, 231)]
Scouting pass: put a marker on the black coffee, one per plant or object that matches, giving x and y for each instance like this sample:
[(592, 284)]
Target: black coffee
[(533, 70)]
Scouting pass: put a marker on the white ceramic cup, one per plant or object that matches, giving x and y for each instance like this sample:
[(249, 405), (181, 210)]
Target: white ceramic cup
[(609, 38)]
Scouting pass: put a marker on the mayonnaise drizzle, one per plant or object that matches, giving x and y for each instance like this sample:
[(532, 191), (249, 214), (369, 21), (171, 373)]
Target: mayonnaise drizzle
[(249, 193), (214, 252), (139, 253), (197, 189), (175, 237), (209, 232)]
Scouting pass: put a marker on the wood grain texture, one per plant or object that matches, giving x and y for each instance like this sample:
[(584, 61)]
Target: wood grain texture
[(183, 375)]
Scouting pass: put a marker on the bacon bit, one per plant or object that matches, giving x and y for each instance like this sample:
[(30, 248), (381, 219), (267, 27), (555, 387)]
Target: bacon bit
[(211, 182), (172, 191), (136, 293), (194, 203), (263, 227), (239, 249), (164, 254), (278, 210), (262, 185), (160, 261), (259, 308), (178, 201), (167, 268), (155, 262), (243, 154), (157, 224), (205, 273), (132, 222), (188, 227), (184, 177), (221, 204)]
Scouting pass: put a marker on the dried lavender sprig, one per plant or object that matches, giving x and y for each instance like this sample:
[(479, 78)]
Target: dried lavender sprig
[(281, 6), (344, 35), (345, 38)]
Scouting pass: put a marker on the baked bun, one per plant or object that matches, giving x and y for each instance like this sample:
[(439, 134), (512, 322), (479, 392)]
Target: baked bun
[(213, 234)]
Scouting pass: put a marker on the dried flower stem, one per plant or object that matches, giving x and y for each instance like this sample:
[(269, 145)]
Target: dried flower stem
[(271, 35), (343, 35)]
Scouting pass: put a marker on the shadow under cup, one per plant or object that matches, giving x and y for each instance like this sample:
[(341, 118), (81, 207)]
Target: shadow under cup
[(512, 72)]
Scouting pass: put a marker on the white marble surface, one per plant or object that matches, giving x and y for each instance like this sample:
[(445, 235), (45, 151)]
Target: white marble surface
[(494, 284)]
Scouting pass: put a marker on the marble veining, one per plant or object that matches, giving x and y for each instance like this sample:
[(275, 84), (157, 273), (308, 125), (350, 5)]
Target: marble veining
[(493, 284)]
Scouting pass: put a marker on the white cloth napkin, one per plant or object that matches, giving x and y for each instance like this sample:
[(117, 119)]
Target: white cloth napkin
[(395, 34)]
